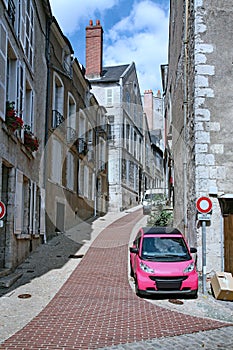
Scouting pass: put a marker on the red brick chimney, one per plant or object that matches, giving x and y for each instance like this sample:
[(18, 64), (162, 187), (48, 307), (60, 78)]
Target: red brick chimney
[(148, 107), (94, 49)]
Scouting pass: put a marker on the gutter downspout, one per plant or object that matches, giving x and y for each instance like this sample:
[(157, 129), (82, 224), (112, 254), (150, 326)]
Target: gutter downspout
[(185, 104), (47, 55)]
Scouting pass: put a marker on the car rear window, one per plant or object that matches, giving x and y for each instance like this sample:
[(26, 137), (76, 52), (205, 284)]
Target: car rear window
[(164, 249)]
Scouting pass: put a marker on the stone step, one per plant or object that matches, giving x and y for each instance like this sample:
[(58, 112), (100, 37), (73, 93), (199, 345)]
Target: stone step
[(7, 281)]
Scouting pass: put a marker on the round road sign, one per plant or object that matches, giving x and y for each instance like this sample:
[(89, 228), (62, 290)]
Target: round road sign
[(2, 210), (204, 205)]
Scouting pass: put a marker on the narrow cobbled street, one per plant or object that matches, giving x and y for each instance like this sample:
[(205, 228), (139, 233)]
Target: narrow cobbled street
[(96, 307)]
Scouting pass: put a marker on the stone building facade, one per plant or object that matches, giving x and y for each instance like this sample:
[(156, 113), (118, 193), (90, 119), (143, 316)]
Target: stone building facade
[(22, 125), (198, 110), (130, 161), (53, 150), (75, 151)]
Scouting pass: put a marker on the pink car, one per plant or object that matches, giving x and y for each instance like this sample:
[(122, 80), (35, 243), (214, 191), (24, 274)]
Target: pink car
[(161, 263)]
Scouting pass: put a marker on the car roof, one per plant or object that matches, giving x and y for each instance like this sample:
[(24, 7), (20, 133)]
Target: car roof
[(160, 230)]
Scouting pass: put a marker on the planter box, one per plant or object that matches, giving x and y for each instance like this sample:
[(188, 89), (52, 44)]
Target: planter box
[(222, 285)]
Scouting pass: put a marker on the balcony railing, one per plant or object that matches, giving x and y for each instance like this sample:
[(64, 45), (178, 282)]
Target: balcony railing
[(71, 135), (57, 119), (81, 146), (102, 167)]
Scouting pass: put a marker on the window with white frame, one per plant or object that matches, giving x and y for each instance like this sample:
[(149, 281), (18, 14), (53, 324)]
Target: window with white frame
[(11, 78), (56, 175), (70, 171), (20, 88), (71, 122), (29, 31), (29, 112), (3, 65), (109, 97), (82, 125), (67, 60), (58, 101)]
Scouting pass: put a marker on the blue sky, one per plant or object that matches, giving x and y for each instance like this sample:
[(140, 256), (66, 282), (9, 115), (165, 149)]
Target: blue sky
[(134, 31)]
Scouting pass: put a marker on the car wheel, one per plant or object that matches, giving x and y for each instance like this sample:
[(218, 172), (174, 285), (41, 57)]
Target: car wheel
[(194, 294), (131, 271), (138, 291)]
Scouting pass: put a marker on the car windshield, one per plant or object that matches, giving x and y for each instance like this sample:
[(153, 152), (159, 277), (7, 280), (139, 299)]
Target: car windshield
[(164, 249), (154, 196)]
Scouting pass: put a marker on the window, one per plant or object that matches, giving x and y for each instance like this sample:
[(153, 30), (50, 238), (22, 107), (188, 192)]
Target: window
[(20, 89), (29, 115), (111, 135), (58, 101), (11, 79), (67, 61), (71, 121), (109, 97), (3, 65), (82, 124), (29, 32)]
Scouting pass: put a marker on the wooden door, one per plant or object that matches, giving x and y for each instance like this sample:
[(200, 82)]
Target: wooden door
[(228, 243)]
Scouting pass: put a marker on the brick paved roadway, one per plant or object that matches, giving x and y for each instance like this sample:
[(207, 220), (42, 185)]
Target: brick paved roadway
[(97, 308)]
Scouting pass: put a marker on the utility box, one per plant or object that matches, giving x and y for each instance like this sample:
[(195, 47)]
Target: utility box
[(222, 285)]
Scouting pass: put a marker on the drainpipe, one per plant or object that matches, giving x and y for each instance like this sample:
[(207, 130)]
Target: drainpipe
[(47, 55), (185, 102)]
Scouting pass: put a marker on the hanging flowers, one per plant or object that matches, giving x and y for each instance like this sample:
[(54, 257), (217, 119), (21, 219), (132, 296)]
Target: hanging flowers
[(31, 142), (12, 120)]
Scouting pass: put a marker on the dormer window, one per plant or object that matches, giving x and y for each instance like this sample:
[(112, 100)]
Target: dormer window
[(67, 62)]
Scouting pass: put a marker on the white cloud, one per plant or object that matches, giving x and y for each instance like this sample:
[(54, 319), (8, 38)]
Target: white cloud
[(70, 13), (142, 38)]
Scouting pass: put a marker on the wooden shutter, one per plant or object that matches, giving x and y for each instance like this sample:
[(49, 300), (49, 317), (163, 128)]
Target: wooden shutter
[(22, 21), (18, 219), (3, 65), (32, 209), (42, 211)]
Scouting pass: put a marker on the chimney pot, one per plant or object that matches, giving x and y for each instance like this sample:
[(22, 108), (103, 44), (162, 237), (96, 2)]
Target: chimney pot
[(94, 50), (91, 22)]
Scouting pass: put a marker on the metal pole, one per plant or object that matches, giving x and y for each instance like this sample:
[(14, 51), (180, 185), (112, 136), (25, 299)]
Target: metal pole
[(204, 257)]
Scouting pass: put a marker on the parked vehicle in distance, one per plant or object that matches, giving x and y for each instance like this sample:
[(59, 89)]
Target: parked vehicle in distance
[(152, 197), (161, 263)]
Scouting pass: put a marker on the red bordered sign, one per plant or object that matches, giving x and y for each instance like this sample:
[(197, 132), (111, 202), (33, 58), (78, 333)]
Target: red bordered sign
[(204, 205), (2, 210)]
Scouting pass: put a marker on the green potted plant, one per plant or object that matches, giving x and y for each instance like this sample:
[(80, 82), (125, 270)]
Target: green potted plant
[(13, 121), (31, 142)]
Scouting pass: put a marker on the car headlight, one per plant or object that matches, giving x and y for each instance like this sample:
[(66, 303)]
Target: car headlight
[(146, 268), (190, 267)]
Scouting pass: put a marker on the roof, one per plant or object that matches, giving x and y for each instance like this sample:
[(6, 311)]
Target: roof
[(111, 74), (160, 230)]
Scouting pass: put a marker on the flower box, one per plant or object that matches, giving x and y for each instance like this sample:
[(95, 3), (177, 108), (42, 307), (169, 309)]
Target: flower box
[(13, 122), (31, 142)]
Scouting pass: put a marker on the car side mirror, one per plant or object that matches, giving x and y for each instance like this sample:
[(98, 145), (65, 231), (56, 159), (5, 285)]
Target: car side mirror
[(193, 250), (133, 250)]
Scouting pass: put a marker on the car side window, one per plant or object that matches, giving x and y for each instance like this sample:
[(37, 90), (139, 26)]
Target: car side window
[(137, 240)]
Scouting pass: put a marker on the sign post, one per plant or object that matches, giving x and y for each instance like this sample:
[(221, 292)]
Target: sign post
[(204, 207), (2, 212)]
